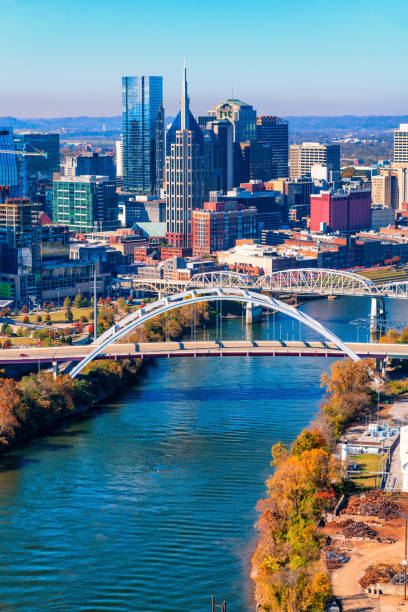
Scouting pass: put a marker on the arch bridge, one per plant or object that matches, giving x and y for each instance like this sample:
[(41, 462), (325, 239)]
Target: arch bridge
[(298, 281), (128, 324)]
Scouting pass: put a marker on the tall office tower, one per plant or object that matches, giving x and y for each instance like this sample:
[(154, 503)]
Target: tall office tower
[(224, 131), (9, 173), (303, 157), (275, 131), (142, 127), (160, 154), (119, 157), (213, 163), (401, 146), (86, 203), (241, 170), (241, 115), (184, 173)]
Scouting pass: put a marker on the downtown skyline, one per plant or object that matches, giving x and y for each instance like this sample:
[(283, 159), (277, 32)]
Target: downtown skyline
[(286, 61)]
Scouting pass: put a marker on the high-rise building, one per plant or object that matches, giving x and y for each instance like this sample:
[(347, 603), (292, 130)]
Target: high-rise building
[(340, 211), (86, 203), (9, 175), (20, 249), (143, 133), (119, 158), (213, 163), (184, 173), (303, 157), (381, 189), (224, 131), (241, 115), (401, 146), (275, 131)]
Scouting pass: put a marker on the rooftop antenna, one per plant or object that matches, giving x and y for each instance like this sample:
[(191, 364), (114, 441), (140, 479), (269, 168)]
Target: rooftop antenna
[(232, 91)]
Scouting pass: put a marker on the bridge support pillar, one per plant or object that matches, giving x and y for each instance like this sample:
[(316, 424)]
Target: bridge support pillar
[(381, 367), (377, 318), (252, 313), (55, 369)]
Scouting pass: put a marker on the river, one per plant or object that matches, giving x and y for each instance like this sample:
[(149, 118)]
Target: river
[(149, 505)]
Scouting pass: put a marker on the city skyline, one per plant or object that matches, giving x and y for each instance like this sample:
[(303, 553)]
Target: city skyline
[(291, 63)]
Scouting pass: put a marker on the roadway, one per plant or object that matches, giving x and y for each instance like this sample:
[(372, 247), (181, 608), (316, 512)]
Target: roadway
[(227, 348)]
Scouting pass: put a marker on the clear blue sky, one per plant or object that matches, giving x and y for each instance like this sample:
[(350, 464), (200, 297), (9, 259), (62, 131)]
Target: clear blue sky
[(286, 57)]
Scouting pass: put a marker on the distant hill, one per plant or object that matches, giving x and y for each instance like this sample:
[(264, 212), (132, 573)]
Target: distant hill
[(296, 123), (68, 124), (346, 122)]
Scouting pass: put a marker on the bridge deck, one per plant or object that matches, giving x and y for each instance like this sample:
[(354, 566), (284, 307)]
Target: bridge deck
[(227, 348)]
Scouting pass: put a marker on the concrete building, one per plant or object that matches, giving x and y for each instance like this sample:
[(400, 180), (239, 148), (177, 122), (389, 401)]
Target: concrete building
[(381, 216), (184, 173), (255, 259), (340, 211), (86, 203), (303, 157), (220, 224), (401, 146), (381, 186)]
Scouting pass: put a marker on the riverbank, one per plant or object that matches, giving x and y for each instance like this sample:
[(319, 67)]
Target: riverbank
[(38, 402), (288, 568)]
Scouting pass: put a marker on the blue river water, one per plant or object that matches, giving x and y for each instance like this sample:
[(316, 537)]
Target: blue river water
[(149, 504)]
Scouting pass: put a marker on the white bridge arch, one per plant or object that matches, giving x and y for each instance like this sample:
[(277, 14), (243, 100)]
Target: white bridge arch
[(132, 321), (299, 280)]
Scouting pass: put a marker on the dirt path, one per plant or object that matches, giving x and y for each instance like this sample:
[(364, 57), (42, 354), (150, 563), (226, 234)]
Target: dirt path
[(345, 580)]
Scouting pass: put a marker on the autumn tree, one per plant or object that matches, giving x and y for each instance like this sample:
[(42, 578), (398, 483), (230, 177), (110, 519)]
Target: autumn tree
[(9, 401)]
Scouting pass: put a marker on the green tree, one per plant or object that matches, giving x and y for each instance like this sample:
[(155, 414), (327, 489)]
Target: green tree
[(6, 329)]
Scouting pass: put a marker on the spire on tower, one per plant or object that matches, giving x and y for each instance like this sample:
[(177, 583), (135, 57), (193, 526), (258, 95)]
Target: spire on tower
[(185, 103)]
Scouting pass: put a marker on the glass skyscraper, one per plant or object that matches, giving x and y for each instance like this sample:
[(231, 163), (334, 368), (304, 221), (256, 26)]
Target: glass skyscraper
[(9, 171), (143, 129)]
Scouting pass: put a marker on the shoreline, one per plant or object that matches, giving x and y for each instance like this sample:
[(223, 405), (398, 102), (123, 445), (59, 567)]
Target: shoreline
[(25, 432)]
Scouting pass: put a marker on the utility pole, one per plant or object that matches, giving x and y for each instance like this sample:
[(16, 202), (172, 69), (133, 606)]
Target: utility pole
[(405, 561), (95, 308)]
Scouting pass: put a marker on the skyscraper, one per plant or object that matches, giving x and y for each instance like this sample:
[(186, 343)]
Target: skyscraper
[(303, 157), (184, 173), (241, 115), (401, 146), (274, 130), (142, 126), (9, 174)]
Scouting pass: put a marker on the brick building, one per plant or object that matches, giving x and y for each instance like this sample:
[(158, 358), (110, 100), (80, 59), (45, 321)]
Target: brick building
[(220, 224)]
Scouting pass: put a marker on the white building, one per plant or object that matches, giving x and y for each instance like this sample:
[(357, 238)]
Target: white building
[(119, 157)]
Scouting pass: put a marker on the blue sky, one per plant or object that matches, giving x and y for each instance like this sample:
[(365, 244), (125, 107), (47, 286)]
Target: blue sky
[(287, 57)]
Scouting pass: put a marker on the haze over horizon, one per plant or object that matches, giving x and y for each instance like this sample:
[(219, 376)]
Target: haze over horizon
[(286, 62)]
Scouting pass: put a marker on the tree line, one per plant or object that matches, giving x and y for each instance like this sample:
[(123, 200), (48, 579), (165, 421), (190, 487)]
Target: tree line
[(287, 567)]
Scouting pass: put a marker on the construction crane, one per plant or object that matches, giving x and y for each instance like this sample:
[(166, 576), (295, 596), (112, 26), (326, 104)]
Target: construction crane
[(25, 153), (5, 189)]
